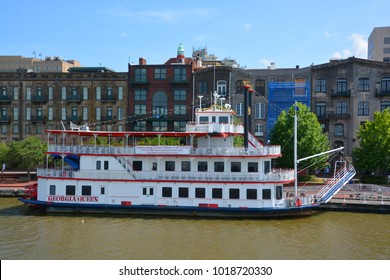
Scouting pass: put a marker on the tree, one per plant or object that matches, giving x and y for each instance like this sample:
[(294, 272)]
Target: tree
[(373, 153), (27, 154), (311, 139)]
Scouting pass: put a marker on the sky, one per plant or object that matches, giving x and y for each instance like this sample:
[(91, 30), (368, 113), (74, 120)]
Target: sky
[(253, 32)]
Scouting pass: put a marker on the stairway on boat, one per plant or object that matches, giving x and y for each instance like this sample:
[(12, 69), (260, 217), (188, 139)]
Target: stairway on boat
[(335, 184)]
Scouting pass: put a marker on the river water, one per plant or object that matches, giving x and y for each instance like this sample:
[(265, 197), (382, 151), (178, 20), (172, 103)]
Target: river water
[(25, 234)]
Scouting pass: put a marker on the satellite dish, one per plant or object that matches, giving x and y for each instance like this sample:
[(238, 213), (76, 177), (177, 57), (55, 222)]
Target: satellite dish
[(228, 106)]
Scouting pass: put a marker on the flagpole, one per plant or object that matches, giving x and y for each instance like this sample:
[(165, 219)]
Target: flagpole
[(295, 150)]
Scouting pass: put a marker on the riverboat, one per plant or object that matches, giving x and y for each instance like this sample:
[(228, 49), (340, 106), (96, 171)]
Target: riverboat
[(201, 173)]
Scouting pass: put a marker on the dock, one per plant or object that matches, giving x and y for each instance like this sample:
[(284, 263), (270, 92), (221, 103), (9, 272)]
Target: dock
[(15, 183)]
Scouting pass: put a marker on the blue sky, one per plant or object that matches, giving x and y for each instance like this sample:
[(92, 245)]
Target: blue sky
[(254, 32)]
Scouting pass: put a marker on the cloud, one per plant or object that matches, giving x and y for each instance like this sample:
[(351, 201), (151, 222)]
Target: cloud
[(358, 48)]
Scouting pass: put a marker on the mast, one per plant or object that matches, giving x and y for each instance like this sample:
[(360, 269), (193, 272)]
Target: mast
[(295, 150)]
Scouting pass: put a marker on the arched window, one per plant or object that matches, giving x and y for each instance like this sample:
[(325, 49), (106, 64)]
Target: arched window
[(160, 104)]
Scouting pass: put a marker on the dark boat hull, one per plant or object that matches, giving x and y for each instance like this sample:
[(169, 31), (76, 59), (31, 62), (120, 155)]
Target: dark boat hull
[(178, 211)]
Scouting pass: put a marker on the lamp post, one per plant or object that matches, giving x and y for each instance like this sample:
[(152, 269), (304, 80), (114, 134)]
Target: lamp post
[(246, 115), (200, 102)]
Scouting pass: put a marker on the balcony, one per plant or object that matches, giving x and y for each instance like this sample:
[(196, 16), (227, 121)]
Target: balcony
[(346, 93), (382, 92), (38, 119), (73, 98), (5, 119), (38, 98), (108, 98), (334, 117), (5, 98)]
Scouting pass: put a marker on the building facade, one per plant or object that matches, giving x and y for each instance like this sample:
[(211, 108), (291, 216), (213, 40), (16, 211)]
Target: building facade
[(379, 44), (33, 102), (347, 93)]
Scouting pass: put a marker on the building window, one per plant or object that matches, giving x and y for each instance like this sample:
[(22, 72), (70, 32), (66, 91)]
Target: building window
[(16, 113), (216, 193), (179, 95), (385, 105), (259, 129), (200, 192), (160, 104), (70, 190), (239, 86), (338, 129), (140, 95), (166, 192), (85, 113), (221, 87), (28, 114), (28, 93), (234, 193), (160, 73), (109, 113), (140, 75), (202, 166), (341, 85), (183, 192), (320, 85), (98, 92), (386, 40), (363, 108), (251, 194), (219, 166), (240, 109), (179, 125), (120, 93), (260, 87), (140, 126), (321, 109), (16, 93), (341, 108), (120, 113), (63, 113), (160, 126), (15, 129), (185, 166), (180, 74), (385, 85), (63, 93), (98, 112), (86, 190), (235, 167), (266, 193), (169, 165), (260, 111), (85, 93), (363, 84), (202, 87), (139, 109), (179, 109), (253, 167)]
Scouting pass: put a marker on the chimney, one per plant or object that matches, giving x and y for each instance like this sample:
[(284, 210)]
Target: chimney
[(142, 61)]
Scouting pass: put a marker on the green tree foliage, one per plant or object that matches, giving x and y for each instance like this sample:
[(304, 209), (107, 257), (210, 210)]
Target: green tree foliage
[(27, 154), (3, 153), (373, 153), (311, 139)]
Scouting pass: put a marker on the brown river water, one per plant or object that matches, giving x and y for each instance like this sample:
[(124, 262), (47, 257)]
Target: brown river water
[(28, 235)]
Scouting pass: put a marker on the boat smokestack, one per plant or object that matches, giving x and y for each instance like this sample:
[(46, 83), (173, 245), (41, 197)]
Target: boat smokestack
[(246, 115)]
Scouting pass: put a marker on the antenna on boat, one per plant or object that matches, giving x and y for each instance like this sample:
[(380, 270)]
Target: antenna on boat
[(200, 102)]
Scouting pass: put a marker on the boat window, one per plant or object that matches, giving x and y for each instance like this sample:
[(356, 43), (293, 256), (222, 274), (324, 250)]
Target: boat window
[(70, 190), (279, 192), (267, 167), (223, 119), (106, 165), (202, 166), (251, 194), (137, 165), (169, 166), (154, 166), (236, 167), (200, 192), (52, 190), (219, 166), (98, 165), (234, 193), (253, 167), (217, 193), (86, 190), (185, 166), (102, 190), (203, 119), (183, 192), (166, 192), (266, 193)]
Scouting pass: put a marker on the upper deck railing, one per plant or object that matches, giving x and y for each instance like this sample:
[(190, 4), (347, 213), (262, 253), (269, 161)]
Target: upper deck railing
[(277, 175), (267, 150)]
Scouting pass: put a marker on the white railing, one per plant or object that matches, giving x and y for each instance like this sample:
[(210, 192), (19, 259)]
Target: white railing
[(214, 127), (275, 176), (263, 151)]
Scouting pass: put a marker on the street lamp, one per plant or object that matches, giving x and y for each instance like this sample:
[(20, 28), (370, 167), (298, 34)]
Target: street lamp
[(200, 102)]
